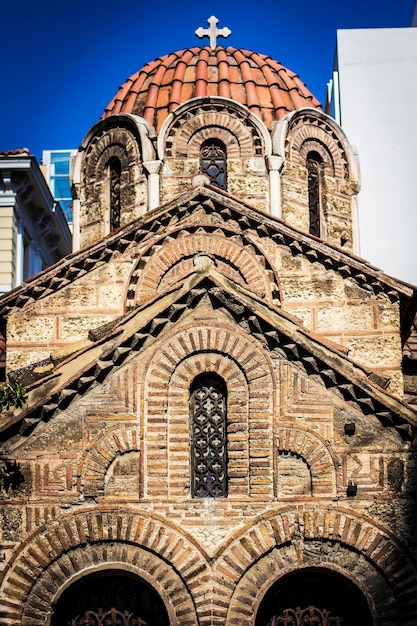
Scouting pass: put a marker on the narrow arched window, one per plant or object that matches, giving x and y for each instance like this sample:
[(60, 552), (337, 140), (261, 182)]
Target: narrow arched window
[(314, 166), (115, 172), (213, 162), (208, 436)]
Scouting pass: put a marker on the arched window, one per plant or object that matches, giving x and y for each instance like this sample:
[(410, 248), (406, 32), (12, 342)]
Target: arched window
[(213, 162), (208, 436), (314, 595), (115, 171), (110, 598), (314, 166)]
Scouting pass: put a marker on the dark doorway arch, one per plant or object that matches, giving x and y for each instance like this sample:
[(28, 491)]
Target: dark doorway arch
[(314, 596), (110, 598)]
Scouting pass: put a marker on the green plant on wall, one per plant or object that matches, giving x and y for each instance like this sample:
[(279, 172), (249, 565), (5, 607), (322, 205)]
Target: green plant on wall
[(12, 395)]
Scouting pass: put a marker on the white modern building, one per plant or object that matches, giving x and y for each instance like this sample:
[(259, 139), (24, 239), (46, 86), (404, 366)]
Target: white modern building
[(372, 95)]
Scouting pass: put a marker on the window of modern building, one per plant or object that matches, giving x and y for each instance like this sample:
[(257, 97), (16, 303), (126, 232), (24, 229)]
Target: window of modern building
[(314, 164), (208, 400), (213, 162), (58, 164)]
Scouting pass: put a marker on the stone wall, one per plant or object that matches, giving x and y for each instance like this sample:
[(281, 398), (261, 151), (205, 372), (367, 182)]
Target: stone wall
[(108, 481), (336, 301)]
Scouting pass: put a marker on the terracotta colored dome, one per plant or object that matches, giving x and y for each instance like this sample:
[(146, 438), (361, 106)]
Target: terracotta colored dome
[(265, 86)]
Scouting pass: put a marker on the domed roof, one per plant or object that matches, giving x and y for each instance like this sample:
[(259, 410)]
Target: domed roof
[(265, 86)]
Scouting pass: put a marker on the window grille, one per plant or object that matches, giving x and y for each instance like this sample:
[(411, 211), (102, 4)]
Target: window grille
[(314, 166), (113, 617), (213, 162), (209, 445), (115, 172), (311, 616)]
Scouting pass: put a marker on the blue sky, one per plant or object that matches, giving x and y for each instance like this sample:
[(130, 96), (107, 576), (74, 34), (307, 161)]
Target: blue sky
[(64, 60)]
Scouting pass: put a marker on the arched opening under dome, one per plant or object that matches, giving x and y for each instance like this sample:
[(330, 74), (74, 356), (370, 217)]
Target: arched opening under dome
[(314, 596), (110, 598), (315, 168), (115, 173)]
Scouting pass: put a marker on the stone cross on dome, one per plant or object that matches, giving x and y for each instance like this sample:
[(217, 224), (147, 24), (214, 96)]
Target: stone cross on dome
[(213, 32)]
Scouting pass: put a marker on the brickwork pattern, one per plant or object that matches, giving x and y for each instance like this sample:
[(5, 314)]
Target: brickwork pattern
[(214, 346), (308, 132), (94, 191), (245, 148), (226, 589), (167, 262), (324, 288)]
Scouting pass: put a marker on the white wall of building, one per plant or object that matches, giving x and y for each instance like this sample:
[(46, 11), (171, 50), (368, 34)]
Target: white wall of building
[(377, 81)]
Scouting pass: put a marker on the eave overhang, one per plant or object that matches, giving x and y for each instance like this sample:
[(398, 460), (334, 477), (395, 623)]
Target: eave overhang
[(95, 359)]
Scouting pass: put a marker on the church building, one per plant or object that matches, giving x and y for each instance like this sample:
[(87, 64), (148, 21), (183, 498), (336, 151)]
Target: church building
[(219, 426)]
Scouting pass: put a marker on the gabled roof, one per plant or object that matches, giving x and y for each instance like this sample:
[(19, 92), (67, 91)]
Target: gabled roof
[(98, 356), (167, 218)]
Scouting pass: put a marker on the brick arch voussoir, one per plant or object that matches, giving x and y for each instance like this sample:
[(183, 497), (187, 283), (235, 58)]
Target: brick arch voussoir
[(312, 535), (301, 131), (100, 454), (238, 137), (171, 253), (208, 344), (146, 277), (230, 141), (80, 544), (315, 452), (115, 142), (314, 145)]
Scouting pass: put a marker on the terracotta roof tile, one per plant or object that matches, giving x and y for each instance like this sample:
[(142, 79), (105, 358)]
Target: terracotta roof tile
[(265, 86), (16, 152)]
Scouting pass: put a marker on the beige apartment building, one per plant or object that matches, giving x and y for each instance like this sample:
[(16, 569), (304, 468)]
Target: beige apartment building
[(33, 230)]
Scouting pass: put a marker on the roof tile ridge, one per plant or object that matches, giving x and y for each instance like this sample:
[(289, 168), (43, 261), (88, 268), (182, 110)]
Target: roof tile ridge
[(224, 74), (201, 75), (154, 86), (273, 81), (249, 81), (303, 88), (116, 102), (178, 80), (133, 83), (288, 77), (133, 92)]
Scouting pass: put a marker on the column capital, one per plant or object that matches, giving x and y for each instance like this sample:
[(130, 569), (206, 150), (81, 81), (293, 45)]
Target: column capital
[(274, 162), (152, 167)]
